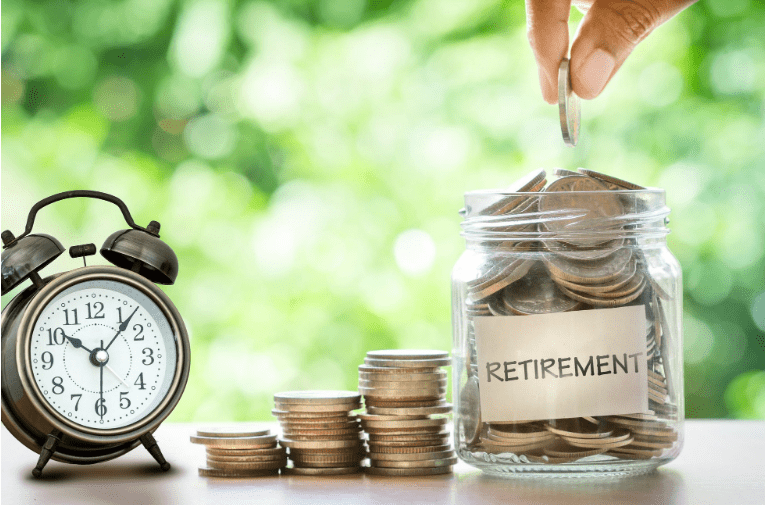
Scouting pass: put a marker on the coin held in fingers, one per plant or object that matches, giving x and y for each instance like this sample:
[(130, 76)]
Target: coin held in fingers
[(568, 105)]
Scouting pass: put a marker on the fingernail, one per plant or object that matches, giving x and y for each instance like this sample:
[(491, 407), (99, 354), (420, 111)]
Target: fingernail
[(595, 71)]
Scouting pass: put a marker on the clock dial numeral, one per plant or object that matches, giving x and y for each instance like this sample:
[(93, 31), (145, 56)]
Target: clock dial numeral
[(47, 359), (139, 382), (107, 345), (97, 312), (74, 317), (58, 385), (56, 337), (101, 407)]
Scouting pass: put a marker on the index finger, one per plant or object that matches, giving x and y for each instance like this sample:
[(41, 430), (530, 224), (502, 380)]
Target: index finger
[(547, 29)]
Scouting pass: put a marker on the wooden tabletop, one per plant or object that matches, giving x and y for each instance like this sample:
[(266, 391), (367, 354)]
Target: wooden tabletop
[(722, 462)]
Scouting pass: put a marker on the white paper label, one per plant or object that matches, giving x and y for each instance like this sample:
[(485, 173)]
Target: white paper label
[(567, 364)]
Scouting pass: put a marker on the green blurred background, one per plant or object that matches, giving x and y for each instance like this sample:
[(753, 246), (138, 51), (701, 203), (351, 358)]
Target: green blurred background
[(307, 160)]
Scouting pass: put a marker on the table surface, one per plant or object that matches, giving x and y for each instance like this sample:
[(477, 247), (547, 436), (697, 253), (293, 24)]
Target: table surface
[(721, 463)]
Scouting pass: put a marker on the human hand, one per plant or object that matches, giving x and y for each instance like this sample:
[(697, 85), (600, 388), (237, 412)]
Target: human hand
[(608, 33)]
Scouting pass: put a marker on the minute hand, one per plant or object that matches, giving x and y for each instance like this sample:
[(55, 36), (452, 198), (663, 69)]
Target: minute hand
[(122, 328)]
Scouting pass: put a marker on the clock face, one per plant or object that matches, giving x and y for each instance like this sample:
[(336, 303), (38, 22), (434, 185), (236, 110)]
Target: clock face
[(103, 354)]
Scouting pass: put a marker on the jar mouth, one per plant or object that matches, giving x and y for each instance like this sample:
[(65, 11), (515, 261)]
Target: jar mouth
[(580, 219)]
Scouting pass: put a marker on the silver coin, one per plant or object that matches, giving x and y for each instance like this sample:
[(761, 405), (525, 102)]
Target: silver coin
[(602, 271), (317, 397), (236, 442), (501, 277), (416, 456), (531, 182), (416, 354), (536, 293), (394, 411), (434, 376), (562, 172), (619, 183), (408, 363), (232, 431), (423, 463), (569, 107), (470, 411)]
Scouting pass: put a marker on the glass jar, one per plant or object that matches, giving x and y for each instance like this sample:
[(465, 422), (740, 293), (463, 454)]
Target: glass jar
[(567, 326)]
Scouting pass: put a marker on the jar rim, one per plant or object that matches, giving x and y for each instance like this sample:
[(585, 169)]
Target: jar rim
[(636, 192)]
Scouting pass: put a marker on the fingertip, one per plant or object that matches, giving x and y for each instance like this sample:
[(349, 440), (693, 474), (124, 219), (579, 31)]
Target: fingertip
[(591, 72), (549, 91)]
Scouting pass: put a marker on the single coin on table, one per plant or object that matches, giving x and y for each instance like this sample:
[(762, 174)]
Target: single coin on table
[(569, 107)]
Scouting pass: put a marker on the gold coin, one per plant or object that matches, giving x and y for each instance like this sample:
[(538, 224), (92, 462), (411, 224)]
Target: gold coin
[(232, 431), (343, 464), (216, 472), (444, 408), (410, 437), (237, 443), (423, 463), (410, 443), (412, 423), (309, 416), (320, 444), (248, 458), (398, 371), (418, 385), (407, 472), (375, 402), (341, 407), (436, 375), (261, 465), (317, 397), (402, 394), (322, 471), (298, 437), (409, 354), (415, 456), (371, 417), (328, 459), (319, 426), (408, 449), (245, 453)]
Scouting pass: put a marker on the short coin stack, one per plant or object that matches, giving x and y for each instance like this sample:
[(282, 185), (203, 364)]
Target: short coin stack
[(322, 435), (240, 451), (403, 391)]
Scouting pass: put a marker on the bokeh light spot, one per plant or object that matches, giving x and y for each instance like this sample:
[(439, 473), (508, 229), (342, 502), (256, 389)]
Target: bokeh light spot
[(758, 310), (116, 98), (414, 251)]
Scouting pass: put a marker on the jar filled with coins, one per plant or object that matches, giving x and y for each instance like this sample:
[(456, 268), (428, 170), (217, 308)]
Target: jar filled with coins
[(567, 315)]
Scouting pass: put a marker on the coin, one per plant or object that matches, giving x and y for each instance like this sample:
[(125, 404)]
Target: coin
[(317, 397), (531, 182), (384, 456), (216, 472), (600, 271), (408, 363), (322, 471), (241, 442), (388, 403), (536, 293), (569, 107), (248, 459), (620, 184), (577, 429), (562, 172), (408, 443), (375, 417), (501, 278), (232, 431), (443, 408), (339, 407), (470, 411), (408, 449), (564, 450), (435, 376), (408, 354), (408, 436), (423, 463), (376, 384), (320, 444), (250, 465), (244, 453), (301, 437), (345, 425), (407, 472)]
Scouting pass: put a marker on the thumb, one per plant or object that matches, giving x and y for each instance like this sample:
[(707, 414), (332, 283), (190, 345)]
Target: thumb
[(607, 35)]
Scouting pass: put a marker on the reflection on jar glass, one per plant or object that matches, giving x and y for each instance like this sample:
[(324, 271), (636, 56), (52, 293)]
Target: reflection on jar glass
[(567, 317)]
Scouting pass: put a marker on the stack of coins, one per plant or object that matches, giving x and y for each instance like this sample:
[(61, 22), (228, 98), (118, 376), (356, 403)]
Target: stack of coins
[(587, 270), (404, 393), (322, 435), (240, 451)]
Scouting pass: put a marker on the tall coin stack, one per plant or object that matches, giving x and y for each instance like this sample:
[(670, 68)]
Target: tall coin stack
[(240, 451), (322, 435), (403, 392)]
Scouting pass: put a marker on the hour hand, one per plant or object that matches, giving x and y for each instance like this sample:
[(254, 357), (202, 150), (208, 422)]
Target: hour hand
[(76, 342)]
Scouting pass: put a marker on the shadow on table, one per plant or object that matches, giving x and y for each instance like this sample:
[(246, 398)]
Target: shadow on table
[(662, 486), (117, 471)]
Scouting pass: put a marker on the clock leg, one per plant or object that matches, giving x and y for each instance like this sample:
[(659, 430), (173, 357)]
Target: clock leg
[(47, 451), (151, 446)]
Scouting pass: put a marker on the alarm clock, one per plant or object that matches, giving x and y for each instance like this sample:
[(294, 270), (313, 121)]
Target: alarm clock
[(93, 359)]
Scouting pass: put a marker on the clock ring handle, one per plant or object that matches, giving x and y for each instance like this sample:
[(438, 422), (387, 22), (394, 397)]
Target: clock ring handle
[(78, 194)]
